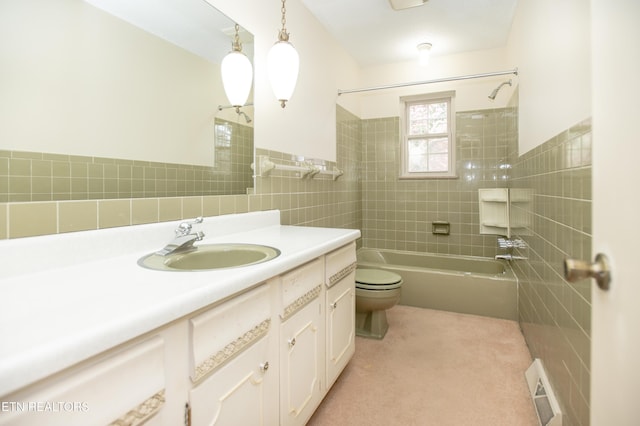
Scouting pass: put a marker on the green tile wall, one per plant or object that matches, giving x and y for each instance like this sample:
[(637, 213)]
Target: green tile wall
[(319, 201), (35, 176), (398, 214), (311, 202), (555, 316)]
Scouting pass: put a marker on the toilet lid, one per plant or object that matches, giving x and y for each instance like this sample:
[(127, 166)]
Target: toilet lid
[(376, 277)]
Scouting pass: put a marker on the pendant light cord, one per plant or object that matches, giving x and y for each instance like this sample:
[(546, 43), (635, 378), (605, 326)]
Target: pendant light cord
[(283, 35), (236, 45)]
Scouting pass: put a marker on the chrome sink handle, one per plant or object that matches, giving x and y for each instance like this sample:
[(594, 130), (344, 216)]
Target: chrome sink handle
[(185, 227), (184, 239)]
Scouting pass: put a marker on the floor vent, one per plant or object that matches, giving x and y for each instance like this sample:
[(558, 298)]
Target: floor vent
[(544, 400)]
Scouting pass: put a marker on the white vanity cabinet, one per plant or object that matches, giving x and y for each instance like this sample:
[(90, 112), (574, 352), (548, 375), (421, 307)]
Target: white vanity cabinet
[(266, 355), (341, 307), (302, 343), (234, 362), (125, 386)]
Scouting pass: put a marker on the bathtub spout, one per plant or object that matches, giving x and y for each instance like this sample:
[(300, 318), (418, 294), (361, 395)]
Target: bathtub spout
[(509, 257)]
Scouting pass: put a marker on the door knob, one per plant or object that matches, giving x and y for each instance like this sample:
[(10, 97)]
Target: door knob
[(575, 270)]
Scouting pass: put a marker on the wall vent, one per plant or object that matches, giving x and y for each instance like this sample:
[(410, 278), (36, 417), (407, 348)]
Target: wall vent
[(544, 400)]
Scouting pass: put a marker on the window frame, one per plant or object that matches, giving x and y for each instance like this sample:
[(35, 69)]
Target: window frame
[(405, 138)]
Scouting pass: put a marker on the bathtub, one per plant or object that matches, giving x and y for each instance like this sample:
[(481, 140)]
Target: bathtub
[(464, 284)]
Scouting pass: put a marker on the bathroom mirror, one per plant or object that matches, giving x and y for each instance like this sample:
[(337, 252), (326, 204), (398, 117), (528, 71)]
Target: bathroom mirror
[(119, 99)]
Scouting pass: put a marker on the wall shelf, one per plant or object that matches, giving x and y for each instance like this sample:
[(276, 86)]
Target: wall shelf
[(499, 214)]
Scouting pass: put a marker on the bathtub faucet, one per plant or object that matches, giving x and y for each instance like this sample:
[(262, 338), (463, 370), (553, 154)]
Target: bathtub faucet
[(184, 239), (509, 257)]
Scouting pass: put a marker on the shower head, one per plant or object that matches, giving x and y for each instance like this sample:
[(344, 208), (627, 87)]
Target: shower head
[(493, 94), (246, 117)]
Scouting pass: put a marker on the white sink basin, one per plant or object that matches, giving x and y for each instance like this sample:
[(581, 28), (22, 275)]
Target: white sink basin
[(210, 256)]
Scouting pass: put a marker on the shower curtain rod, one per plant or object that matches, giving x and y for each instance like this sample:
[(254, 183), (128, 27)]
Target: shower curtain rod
[(438, 80)]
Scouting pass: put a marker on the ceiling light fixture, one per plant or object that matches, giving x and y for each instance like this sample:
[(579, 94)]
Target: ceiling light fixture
[(424, 53), (237, 73), (406, 4), (283, 63)]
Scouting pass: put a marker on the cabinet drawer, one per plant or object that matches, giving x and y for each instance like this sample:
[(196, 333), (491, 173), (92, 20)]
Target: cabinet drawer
[(340, 263), (224, 331), (122, 387), (300, 286)]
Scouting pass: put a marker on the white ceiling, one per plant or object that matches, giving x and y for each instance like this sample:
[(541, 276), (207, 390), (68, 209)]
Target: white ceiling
[(194, 25), (373, 33)]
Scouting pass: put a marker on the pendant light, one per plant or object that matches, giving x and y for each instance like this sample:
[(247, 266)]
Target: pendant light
[(237, 74), (283, 63)]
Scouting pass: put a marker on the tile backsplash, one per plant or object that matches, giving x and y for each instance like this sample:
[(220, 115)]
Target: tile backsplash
[(398, 214), (313, 202), (36, 176)]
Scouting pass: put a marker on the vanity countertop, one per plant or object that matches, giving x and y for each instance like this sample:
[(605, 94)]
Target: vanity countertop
[(67, 297)]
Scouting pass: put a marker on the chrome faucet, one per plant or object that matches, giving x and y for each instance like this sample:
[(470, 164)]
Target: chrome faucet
[(509, 256), (184, 239)]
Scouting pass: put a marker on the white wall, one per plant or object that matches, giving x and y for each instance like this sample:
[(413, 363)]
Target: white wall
[(470, 94), (61, 93), (550, 44), (307, 125), (75, 80)]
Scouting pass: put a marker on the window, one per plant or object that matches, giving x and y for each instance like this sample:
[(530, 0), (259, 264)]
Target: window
[(428, 137)]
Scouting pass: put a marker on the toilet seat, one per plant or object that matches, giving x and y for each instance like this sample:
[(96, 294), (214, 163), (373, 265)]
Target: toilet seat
[(377, 279)]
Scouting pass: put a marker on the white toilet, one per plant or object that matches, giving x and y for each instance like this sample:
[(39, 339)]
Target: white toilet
[(376, 291)]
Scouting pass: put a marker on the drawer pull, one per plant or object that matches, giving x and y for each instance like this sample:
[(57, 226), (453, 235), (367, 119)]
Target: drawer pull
[(342, 273), (264, 366), (231, 350), (301, 302), (292, 342)]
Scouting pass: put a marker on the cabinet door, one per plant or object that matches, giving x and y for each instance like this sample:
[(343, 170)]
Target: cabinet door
[(242, 392), (301, 364), (118, 388), (341, 308)]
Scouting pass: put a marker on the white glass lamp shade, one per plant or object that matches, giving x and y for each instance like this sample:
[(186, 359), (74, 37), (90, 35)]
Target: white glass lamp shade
[(237, 76), (283, 64), (424, 53)]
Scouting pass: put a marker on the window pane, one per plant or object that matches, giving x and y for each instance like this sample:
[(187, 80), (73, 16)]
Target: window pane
[(437, 125), (437, 110), (428, 155), (418, 119), (418, 155), (438, 163), (438, 146), (418, 164), (418, 147), (427, 118)]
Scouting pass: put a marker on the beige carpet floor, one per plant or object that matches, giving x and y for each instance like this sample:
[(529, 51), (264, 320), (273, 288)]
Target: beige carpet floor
[(434, 368)]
